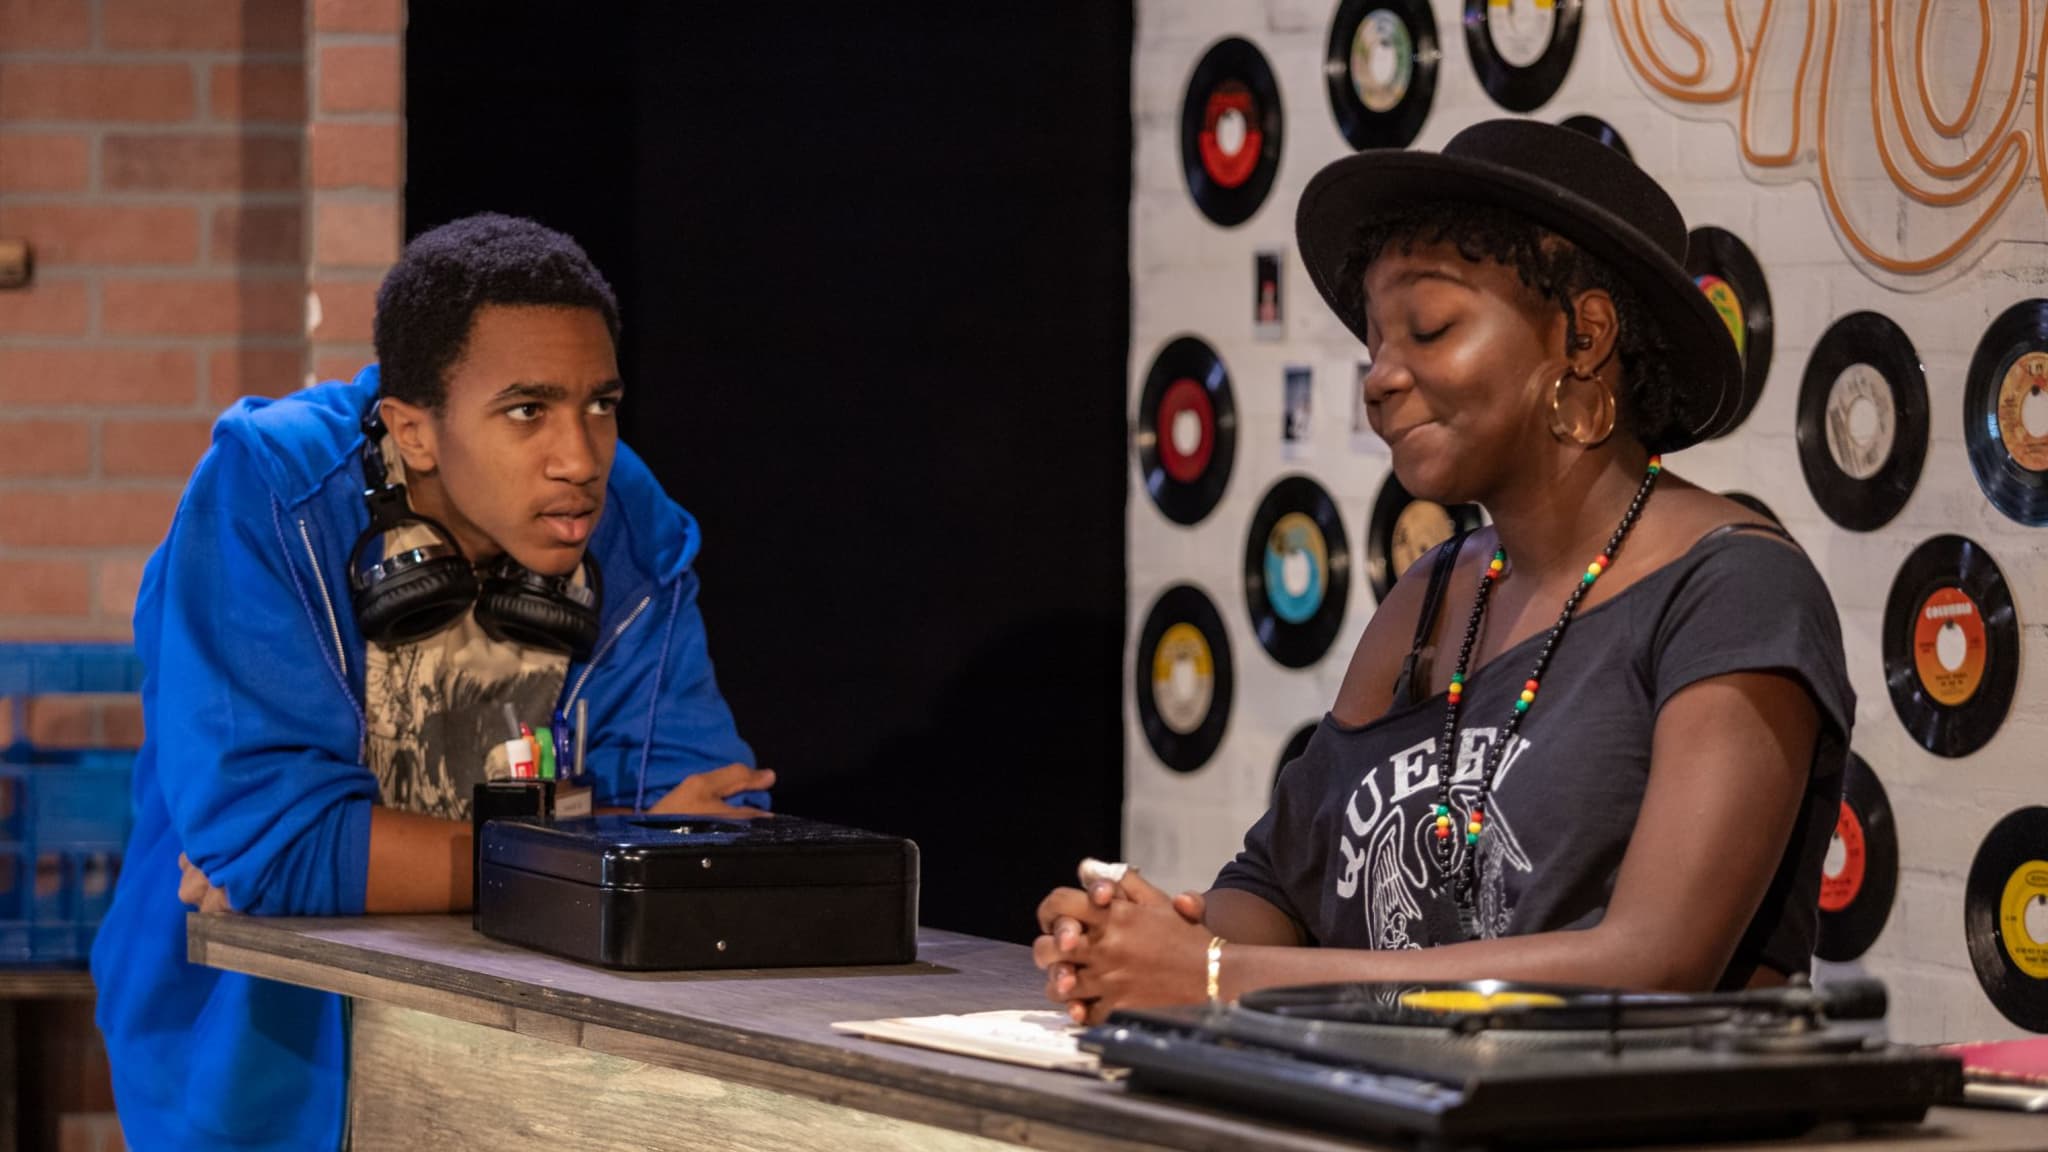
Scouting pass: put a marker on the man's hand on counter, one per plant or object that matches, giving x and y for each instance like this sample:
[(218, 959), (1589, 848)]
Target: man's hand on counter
[(199, 893), (705, 794)]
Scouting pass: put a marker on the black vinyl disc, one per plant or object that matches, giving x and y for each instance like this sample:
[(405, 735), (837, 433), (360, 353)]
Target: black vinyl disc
[(1862, 425), (1403, 529), (2005, 917), (1183, 678), (1522, 48), (1297, 571), (1380, 67), (1599, 130), (1860, 875), (1951, 645), (1754, 505), (2005, 412), (1289, 753), (1230, 128), (1187, 430), (1727, 272)]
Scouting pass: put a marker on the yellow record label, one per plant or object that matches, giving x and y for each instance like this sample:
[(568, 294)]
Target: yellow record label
[(2023, 918)]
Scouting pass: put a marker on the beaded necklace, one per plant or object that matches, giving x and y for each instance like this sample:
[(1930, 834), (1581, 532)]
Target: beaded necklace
[(1466, 883)]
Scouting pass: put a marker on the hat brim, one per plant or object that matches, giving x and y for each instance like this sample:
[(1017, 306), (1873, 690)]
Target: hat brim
[(1379, 182)]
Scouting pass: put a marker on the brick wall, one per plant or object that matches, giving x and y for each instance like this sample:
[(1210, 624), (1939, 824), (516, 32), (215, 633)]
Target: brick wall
[(1190, 276), (212, 189)]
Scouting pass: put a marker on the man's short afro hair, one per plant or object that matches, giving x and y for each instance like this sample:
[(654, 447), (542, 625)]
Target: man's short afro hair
[(430, 297)]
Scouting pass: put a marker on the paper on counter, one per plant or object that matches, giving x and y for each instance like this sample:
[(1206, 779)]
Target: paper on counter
[(1034, 1038)]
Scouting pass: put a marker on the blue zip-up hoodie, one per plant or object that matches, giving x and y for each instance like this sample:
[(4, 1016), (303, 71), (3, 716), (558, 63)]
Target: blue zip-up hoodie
[(253, 761)]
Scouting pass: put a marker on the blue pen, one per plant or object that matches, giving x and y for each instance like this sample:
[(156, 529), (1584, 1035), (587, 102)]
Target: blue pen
[(564, 744)]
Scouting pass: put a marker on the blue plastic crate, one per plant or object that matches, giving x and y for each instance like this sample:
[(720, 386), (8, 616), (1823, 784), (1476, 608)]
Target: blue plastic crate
[(65, 814)]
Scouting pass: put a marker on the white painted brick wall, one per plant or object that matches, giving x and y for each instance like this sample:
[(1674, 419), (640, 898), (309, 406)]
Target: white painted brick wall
[(1191, 276)]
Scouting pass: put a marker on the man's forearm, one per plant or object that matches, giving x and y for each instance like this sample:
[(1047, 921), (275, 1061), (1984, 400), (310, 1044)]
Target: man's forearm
[(418, 863)]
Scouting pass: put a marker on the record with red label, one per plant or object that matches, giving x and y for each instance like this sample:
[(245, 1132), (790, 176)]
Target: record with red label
[(1380, 68), (1522, 48), (2005, 412), (1183, 678), (1187, 430), (1230, 128), (1725, 270), (1951, 645), (1862, 426), (1860, 874), (2005, 917)]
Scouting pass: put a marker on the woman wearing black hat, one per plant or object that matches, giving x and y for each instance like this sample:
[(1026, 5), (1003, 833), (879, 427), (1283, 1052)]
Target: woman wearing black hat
[(1642, 683)]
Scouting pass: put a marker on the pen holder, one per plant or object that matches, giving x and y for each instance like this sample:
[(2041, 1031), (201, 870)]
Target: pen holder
[(530, 801)]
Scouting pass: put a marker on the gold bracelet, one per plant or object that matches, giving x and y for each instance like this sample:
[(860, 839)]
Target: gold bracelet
[(1216, 944)]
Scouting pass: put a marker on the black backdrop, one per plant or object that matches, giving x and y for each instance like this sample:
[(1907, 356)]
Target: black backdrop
[(873, 264)]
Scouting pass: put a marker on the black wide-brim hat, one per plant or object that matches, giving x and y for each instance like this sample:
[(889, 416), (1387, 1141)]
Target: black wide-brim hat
[(1571, 184)]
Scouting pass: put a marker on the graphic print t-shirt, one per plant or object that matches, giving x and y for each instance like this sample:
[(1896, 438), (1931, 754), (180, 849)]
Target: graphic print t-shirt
[(434, 710), (1347, 850)]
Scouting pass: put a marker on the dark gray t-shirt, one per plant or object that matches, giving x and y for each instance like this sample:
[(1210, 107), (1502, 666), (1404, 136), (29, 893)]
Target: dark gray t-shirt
[(1346, 851)]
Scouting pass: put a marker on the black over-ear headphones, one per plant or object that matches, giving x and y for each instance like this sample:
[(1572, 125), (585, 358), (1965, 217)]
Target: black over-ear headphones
[(419, 591)]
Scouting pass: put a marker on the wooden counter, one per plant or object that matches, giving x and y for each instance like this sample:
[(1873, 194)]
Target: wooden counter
[(460, 1042)]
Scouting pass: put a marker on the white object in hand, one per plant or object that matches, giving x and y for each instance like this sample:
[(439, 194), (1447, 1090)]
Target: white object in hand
[(1095, 871)]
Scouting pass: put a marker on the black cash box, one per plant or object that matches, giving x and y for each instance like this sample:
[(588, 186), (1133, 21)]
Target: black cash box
[(669, 892)]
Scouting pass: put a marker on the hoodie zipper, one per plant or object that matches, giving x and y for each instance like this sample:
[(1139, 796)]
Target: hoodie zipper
[(569, 705), (320, 578)]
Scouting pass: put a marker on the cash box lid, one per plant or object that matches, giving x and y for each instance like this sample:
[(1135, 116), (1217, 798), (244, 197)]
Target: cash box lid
[(648, 851)]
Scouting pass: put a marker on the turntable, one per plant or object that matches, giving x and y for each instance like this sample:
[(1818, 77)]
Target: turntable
[(1497, 1065)]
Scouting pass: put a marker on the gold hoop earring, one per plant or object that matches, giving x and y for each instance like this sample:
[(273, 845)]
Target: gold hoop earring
[(1598, 428)]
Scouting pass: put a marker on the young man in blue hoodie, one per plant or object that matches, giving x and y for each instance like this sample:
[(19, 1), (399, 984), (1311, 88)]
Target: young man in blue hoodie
[(362, 580)]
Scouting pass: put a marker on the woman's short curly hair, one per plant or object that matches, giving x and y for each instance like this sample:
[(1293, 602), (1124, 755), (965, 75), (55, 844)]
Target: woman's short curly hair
[(430, 297), (1553, 267)]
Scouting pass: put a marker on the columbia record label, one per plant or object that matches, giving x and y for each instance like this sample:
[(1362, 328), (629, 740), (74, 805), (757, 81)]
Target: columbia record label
[(1403, 529), (2005, 917), (1297, 571), (1733, 282), (1183, 678), (1862, 423), (1521, 49), (1380, 68), (1860, 874), (1230, 129), (1187, 430), (1951, 646), (2005, 412)]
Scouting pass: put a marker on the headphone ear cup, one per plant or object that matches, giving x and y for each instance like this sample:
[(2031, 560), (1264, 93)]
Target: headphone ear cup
[(419, 601), (517, 611)]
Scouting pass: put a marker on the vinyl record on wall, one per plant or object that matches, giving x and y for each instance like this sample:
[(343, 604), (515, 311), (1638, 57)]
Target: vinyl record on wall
[(1230, 129), (1380, 69), (1522, 49)]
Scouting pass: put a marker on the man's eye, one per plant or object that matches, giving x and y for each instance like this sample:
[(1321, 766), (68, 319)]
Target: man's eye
[(524, 413), (604, 405)]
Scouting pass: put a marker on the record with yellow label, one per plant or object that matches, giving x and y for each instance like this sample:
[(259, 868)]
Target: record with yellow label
[(1297, 571), (1522, 49), (1951, 645), (1403, 529), (1230, 128), (2005, 412), (1183, 676), (2005, 917), (1733, 282)]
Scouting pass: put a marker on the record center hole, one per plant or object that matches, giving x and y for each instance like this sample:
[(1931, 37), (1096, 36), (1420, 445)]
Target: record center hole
[(1950, 647), (2036, 920), (1186, 432), (2034, 413), (1837, 858), (1294, 573), (1863, 420), (1181, 681), (1230, 131)]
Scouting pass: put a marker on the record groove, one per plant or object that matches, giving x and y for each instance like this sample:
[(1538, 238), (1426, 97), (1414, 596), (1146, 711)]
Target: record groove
[(1230, 130), (2005, 412), (1862, 426), (1951, 646), (1183, 678), (1297, 571)]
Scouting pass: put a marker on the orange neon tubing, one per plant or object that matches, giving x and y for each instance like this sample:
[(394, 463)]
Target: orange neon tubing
[(1675, 90), (1954, 128), (1881, 45), (1791, 153)]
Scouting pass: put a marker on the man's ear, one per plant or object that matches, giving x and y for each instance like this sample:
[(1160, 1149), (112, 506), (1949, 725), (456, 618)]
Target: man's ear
[(413, 429)]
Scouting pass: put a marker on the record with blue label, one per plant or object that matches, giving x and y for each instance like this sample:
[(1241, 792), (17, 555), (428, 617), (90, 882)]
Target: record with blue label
[(1297, 571)]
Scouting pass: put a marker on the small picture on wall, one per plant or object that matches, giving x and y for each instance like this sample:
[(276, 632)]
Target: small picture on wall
[(1362, 438), (1297, 407), (1268, 323)]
